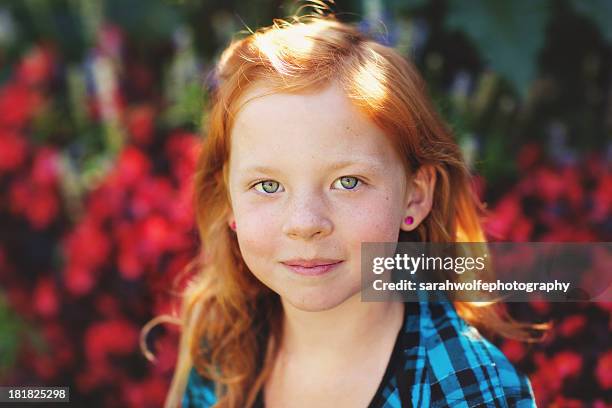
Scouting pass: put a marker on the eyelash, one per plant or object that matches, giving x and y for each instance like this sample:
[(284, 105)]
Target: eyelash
[(359, 183)]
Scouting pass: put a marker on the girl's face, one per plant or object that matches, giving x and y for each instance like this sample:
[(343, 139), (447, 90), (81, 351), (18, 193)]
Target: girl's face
[(310, 179)]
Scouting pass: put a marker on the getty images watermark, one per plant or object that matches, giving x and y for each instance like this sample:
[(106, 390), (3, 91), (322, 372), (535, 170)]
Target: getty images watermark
[(487, 271)]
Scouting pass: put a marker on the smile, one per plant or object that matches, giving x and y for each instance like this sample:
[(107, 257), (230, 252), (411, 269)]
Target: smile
[(311, 268)]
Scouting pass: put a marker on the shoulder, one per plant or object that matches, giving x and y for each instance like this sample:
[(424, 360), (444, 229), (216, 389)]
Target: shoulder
[(462, 366), (199, 392)]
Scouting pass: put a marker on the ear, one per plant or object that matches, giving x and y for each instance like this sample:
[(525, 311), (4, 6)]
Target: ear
[(419, 197)]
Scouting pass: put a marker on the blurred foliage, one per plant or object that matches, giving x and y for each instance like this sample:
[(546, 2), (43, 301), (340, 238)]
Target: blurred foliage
[(508, 73), (108, 97), (518, 25), (9, 341), (15, 334)]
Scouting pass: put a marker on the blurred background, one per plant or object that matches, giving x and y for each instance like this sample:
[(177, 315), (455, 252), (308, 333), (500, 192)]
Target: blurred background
[(101, 107)]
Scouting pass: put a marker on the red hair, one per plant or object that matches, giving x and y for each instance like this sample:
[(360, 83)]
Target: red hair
[(225, 309)]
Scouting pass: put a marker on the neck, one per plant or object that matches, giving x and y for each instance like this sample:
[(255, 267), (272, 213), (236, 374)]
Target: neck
[(353, 327)]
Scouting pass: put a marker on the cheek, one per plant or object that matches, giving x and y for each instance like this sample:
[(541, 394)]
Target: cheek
[(374, 219), (257, 229)]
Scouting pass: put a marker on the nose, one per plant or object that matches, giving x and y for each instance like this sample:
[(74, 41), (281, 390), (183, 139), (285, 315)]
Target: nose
[(308, 218)]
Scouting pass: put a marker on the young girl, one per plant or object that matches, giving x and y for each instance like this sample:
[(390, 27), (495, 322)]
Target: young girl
[(320, 139)]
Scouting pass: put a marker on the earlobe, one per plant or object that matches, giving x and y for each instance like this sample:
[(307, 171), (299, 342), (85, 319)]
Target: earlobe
[(419, 198), (231, 221)]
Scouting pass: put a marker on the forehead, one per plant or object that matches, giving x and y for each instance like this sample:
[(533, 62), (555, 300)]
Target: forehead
[(322, 125)]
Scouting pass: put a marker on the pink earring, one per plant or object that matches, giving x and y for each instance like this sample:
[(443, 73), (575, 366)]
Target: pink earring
[(409, 220), (233, 225)]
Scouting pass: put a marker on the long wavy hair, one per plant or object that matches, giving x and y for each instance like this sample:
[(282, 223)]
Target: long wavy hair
[(230, 321)]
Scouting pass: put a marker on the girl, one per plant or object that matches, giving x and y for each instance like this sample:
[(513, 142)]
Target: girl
[(320, 139)]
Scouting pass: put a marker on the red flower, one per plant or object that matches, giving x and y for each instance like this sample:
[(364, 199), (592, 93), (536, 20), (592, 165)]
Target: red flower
[(129, 263), (118, 337), (39, 205), (605, 305), (541, 307), (79, 280), (150, 195), (563, 402), (503, 216), (156, 236), (573, 187), (45, 298), (140, 124), (17, 104), (603, 372), (180, 210), (571, 325), (105, 202), (546, 384), (567, 364), (13, 150), (45, 168), (521, 230), (182, 149), (43, 208), (549, 184), (87, 245), (514, 350), (85, 249), (148, 393), (165, 351), (19, 196), (132, 166), (602, 199), (36, 67)]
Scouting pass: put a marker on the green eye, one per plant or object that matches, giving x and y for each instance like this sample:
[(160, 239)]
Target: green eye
[(349, 182), (268, 186)]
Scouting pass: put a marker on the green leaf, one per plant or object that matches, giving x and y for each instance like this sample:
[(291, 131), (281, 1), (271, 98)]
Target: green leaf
[(188, 108), (10, 327), (508, 34), (600, 11)]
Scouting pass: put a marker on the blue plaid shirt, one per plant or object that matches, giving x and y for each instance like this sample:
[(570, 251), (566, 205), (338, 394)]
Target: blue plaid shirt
[(438, 361)]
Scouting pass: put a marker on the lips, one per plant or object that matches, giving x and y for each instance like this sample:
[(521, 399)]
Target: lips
[(311, 263), (312, 267)]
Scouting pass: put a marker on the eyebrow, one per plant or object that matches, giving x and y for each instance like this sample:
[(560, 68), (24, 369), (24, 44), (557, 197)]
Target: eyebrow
[(369, 164)]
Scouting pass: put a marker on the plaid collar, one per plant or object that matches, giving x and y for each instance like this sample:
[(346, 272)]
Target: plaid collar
[(447, 363)]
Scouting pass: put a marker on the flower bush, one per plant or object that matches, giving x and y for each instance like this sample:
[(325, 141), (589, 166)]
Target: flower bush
[(96, 162)]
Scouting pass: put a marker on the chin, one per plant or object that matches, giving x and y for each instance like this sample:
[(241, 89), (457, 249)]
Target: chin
[(317, 302)]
